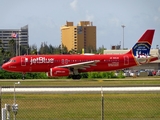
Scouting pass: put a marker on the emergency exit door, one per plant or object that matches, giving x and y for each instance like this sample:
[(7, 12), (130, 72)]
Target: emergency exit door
[(23, 61), (126, 60)]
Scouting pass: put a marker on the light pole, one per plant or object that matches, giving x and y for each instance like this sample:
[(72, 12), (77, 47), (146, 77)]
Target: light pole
[(15, 91), (123, 35), (27, 50), (15, 106), (102, 106)]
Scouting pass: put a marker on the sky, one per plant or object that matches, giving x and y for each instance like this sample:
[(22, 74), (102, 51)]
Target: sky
[(45, 17)]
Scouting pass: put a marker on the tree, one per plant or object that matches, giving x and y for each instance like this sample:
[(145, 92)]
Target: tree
[(100, 50), (90, 49), (44, 49), (2, 49), (1, 43), (24, 50), (33, 49), (51, 48), (12, 47), (72, 51), (64, 49), (2, 52)]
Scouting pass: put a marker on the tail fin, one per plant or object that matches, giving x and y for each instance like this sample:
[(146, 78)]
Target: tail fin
[(143, 46)]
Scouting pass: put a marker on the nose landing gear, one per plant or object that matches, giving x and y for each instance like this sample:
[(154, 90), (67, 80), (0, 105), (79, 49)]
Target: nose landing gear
[(23, 76)]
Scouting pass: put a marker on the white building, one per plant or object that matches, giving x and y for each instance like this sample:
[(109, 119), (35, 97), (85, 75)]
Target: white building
[(21, 39)]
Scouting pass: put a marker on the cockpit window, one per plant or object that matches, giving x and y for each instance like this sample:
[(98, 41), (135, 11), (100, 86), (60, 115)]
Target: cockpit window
[(12, 60)]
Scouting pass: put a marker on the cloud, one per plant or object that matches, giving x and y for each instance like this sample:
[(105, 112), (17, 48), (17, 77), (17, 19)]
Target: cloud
[(73, 4), (49, 23), (159, 9), (114, 21), (157, 19), (89, 17)]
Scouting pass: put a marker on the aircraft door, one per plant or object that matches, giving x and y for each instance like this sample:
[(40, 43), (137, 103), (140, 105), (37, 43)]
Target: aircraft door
[(126, 60), (23, 61)]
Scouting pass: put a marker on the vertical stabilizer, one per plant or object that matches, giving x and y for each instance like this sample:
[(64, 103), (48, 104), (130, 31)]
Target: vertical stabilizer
[(143, 46)]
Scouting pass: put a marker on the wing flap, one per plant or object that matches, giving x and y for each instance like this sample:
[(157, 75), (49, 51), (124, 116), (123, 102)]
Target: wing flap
[(81, 65)]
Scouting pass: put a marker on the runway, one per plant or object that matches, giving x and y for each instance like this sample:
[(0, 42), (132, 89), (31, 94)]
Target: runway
[(81, 90)]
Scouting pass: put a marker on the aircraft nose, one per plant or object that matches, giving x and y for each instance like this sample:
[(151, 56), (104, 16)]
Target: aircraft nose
[(4, 66)]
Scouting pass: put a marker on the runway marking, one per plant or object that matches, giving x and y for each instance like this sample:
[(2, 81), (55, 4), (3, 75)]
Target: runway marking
[(81, 89)]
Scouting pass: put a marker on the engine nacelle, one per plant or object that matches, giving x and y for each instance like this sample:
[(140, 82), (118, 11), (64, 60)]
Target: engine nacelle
[(58, 72)]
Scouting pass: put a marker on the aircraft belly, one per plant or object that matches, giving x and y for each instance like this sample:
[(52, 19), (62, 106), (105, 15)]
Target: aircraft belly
[(42, 68)]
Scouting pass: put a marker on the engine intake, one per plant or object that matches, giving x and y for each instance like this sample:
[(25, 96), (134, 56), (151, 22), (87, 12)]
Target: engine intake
[(58, 72)]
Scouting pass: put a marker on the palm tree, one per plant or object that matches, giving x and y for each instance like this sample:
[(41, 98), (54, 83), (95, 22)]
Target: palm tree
[(12, 47), (0, 42), (33, 49), (1, 45), (2, 52), (24, 50)]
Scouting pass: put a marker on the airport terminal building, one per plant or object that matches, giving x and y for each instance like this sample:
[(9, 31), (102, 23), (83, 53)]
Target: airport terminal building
[(153, 65)]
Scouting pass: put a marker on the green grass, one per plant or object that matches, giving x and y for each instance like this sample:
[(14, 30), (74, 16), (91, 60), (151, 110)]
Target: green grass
[(84, 82), (122, 106), (85, 106)]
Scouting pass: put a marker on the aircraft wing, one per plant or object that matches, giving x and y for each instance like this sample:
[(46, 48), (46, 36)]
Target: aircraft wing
[(81, 65)]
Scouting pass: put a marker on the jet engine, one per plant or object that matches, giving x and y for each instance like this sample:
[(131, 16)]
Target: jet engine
[(58, 72)]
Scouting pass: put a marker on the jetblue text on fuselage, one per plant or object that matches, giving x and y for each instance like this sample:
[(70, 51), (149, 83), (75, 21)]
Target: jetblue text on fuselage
[(40, 60)]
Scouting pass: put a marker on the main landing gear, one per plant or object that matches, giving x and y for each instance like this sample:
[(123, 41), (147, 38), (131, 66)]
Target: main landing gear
[(75, 74), (76, 77)]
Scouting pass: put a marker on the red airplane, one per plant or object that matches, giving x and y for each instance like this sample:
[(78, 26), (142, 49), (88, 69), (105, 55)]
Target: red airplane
[(65, 65)]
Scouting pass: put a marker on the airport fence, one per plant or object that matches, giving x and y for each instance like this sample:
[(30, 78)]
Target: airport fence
[(90, 105)]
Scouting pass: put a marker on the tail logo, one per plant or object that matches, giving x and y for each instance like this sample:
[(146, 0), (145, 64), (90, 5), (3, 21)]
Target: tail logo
[(141, 49)]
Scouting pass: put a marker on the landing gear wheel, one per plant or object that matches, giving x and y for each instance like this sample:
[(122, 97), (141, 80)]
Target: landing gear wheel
[(76, 77), (23, 76)]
